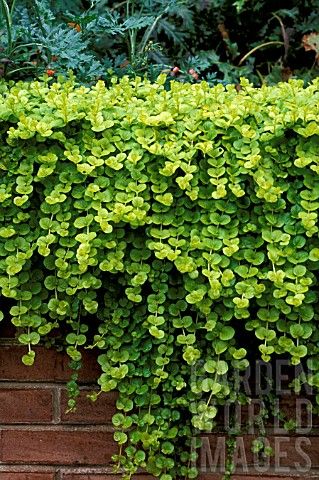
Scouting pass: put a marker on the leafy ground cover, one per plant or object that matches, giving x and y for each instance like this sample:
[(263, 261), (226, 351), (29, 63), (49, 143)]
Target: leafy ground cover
[(168, 230)]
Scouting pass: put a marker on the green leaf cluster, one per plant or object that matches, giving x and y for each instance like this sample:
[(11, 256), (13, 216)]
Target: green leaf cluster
[(162, 225)]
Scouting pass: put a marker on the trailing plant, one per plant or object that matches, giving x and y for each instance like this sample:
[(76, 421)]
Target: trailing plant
[(167, 230)]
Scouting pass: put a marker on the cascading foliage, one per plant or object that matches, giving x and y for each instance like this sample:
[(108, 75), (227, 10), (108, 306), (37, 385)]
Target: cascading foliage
[(160, 226)]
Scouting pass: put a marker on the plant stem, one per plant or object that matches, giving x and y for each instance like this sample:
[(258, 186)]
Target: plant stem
[(35, 8), (23, 45), (257, 48), (284, 34), (8, 20), (150, 30), (19, 69), (132, 35), (12, 7)]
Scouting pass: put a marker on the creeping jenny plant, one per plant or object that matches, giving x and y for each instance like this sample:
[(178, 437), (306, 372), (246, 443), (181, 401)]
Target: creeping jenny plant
[(158, 226)]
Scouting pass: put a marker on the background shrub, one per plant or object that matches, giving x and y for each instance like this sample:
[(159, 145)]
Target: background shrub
[(220, 41)]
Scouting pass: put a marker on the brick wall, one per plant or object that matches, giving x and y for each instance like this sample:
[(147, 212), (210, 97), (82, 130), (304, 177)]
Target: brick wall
[(39, 441)]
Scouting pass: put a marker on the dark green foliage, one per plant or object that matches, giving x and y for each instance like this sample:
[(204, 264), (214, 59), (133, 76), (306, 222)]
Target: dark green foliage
[(220, 41)]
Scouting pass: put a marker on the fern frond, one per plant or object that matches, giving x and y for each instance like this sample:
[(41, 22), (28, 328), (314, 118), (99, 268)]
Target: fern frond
[(136, 22), (181, 10), (171, 31), (108, 24)]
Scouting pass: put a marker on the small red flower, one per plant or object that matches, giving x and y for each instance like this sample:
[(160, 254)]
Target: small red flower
[(194, 74), (74, 25), (175, 70), (50, 72)]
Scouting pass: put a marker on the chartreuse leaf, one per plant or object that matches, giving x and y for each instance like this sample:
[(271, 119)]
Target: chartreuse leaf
[(28, 358), (226, 333), (172, 228)]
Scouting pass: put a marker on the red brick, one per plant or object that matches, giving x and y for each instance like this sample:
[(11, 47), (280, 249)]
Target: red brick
[(285, 447), (49, 366), (83, 476), (56, 447), (213, 476), (88, 412), (90, 476), (26, 476), (259, 476), (25, 405)]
